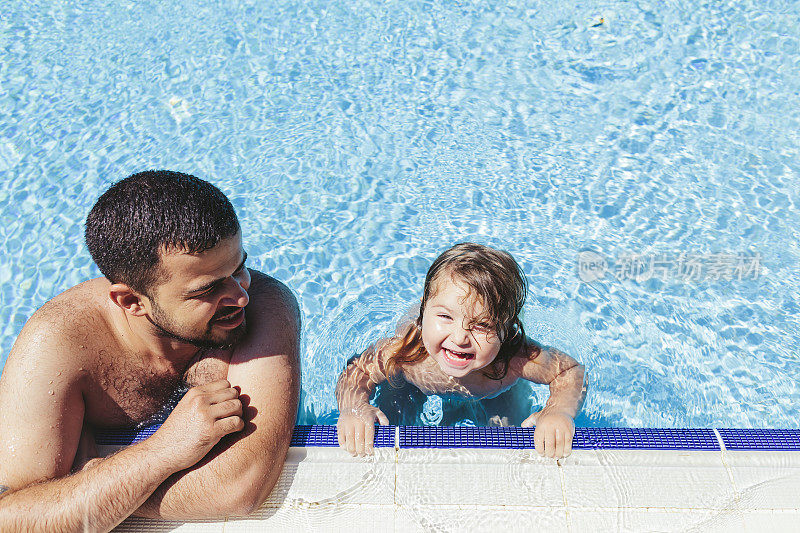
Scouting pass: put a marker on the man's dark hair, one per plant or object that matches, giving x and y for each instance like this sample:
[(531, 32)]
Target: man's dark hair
[(153, 212)]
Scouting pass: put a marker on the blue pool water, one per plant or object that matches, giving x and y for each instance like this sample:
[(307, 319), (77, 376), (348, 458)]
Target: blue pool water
[(357, 140)]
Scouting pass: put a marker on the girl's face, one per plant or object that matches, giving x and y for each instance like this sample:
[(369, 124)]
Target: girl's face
[(455, 331)]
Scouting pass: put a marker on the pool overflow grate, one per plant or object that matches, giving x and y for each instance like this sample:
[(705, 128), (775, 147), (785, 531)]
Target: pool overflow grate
[(465, 437), (326, 436), (761, 439), (646, 439), (522, 438)]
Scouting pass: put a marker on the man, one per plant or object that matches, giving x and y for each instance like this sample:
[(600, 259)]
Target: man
[(177, 305)]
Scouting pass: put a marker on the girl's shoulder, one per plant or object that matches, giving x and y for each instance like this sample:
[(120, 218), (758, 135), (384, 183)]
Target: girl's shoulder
[(407, 319), (530, 349), (528, 352)]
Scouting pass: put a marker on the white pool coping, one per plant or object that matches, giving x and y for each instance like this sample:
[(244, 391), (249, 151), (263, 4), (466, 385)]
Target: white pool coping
[(324, 489)]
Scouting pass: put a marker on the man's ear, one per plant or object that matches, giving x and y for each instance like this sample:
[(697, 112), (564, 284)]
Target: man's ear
[(127, 299)]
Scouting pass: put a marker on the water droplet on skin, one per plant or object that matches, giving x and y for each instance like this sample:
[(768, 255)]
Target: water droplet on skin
[(51, 382), (50, 392)]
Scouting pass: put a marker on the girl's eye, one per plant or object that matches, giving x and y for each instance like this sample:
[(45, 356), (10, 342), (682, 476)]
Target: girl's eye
[(446, 317)]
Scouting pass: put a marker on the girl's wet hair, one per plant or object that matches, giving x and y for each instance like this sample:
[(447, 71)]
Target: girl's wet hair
[(493, 277)]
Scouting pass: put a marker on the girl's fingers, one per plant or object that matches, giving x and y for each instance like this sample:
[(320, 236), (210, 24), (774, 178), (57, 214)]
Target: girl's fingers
[(559, 448), (550, 444), (351, 439), (340, 434), (359, 438), (369, 438), (382, 419), (567, 445), (538, 441)]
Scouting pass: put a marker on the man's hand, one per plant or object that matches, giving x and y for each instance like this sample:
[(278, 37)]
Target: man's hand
[(553, 434), (203, 416), (356, 429)]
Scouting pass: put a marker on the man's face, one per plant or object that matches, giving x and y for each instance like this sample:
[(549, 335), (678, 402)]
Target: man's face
[(203, 298)]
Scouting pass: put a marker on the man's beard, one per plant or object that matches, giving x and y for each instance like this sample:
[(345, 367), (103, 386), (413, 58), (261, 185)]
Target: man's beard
[(166, 328)]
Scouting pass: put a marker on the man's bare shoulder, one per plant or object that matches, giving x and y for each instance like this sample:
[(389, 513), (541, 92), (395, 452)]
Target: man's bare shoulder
[(65, 326), (270, 300), (47, 373), (74, 305), (45, 378), (273, 321)]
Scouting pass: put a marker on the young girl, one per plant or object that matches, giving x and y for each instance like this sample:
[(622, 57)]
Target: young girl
[(467, 341)]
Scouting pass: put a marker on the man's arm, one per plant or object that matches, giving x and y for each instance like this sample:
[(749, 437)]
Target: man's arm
[(239, 473), (41, 416), (96, 498)]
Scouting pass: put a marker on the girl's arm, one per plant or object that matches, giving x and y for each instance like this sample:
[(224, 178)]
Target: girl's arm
[(565, 376), (356, 425)]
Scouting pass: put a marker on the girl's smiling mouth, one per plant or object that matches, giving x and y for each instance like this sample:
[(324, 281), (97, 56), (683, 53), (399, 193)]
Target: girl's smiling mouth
[(457, 359)]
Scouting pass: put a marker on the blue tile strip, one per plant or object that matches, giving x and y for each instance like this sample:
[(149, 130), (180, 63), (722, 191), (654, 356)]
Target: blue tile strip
[(522, 438), (645, 439), (761, 439), (465, 437), (326, 436)]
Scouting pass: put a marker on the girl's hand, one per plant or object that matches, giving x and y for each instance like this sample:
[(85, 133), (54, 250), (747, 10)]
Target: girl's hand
[(356, 429), (553, 434)]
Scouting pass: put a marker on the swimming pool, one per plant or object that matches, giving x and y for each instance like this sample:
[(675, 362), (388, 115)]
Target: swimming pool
[(357, 141)]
